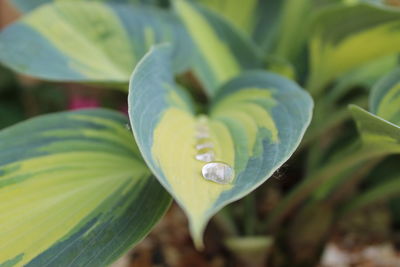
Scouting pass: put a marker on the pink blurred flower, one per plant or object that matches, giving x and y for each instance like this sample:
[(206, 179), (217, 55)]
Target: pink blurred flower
[(124, 108), (78, 101)]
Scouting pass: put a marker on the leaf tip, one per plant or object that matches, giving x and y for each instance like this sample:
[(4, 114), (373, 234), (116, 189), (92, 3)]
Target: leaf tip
[(197, 228)]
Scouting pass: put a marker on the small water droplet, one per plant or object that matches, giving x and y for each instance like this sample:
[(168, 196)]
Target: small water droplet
[(202, 130), (206, 156), (202, 134), (204, 145), (202, 119), (202, 127), (218, 172), (128, 127)]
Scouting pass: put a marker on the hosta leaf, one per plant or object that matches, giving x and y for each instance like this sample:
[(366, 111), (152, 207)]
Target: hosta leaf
[(74, 191), (290, 37), (223, 52), (272, 23), (385, 98), (376, 132), (254, 124), (257, 18), (345, 37), (89, 42), (365, 76), (242, 16), (267, 27), (381, 128)]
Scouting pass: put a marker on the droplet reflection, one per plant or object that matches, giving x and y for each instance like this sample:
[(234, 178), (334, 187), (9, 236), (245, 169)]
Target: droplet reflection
[(201, 146), (215, 171), (218, 172), (206, 156)]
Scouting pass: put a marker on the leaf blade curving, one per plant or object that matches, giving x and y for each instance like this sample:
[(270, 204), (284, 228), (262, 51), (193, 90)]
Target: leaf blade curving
[(74, 191), (380, 128), (254, 125), (222, 51), (90, 41), (335, 47)]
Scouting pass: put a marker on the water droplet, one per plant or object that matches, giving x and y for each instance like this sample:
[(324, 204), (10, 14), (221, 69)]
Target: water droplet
[(206, 156), (202, 119), (204, 145), (202, 130), (218, 172), (128, 127), (200, 135)]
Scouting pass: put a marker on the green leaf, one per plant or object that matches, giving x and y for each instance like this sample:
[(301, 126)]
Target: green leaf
[(382, 129), (291, 38), (242, 16), (381, 184), (365, 76), (29, 5), (10, 113), (223, 52), (345, 37), (74, 191), (256, 18), (381, 192), (90, 42), (379, 138), (385, 98), (376, 132), (253, 124), (270, 23), (269, 17)]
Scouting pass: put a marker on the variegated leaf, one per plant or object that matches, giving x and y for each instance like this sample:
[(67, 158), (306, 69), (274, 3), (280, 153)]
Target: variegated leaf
[(385, 98), (74, 191), (365, 76), (253, 126), (260, 19), (223, 52), (243, 16), (90, 41), (346, 36)]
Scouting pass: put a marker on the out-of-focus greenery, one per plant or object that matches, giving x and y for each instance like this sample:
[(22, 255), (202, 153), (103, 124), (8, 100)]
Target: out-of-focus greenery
[(10, 102), (20, 99), (345, 53)]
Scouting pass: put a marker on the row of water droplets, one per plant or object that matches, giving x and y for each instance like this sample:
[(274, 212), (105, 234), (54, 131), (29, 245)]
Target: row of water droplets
[(215, 171)]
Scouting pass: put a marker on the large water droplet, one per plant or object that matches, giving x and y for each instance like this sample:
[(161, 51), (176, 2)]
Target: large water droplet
[(218, 172)]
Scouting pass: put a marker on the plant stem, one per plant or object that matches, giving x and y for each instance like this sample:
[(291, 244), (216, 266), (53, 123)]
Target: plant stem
[(225, 222), (330, 194), (329, 116), (379, 193), (344, 185), (357, 155), (330, 122), (250, 214)]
